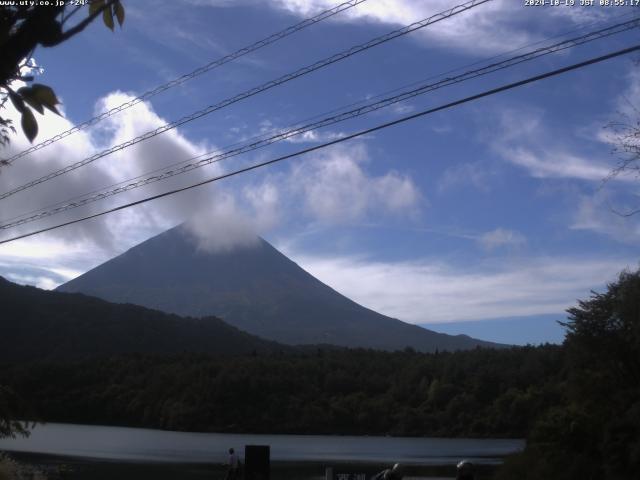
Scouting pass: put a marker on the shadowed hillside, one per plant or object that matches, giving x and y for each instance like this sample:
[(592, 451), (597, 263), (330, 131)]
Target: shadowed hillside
[(38, 324)]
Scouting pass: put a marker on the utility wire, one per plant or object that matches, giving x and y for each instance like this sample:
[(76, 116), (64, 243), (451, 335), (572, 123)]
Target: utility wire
[(188, 76), (479, 62), (382, 126), (249, 93), (194, 163)]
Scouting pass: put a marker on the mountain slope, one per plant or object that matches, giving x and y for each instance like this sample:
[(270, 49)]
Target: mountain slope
[(39, 324), (256, 289)]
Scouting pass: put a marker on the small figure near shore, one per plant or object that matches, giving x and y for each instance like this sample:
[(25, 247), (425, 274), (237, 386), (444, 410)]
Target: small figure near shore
[(394, 473), (465, 470), (233, 466)]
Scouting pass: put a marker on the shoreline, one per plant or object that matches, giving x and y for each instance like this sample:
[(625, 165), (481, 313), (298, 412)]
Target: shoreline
[(87, 468), (339, 434), (148, 445)]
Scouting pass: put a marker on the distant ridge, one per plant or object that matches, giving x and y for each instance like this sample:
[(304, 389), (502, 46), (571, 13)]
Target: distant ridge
[(256, 289), (38, 324)]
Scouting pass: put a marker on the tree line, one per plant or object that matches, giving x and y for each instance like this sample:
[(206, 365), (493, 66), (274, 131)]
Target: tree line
[(577, 404), (478, 393)]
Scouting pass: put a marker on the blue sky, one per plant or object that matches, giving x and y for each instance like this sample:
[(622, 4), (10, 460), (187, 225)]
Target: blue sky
[(487, 215)]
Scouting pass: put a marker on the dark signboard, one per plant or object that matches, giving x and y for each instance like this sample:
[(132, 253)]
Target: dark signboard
[(257, 462)]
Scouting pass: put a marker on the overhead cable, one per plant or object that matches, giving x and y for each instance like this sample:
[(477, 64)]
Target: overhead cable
[(254, 91), (198, 162), (407, 118), (188, 76)]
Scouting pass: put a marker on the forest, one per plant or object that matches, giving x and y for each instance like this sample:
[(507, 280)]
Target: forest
[(473, 393), (578, 404)]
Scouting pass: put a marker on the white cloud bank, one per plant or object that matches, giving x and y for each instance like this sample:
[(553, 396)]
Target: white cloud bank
[(492, 27), (336, 188), (518, 142), (331, 186), (598, 213), (431, 291), (597, 198), (222, 227)]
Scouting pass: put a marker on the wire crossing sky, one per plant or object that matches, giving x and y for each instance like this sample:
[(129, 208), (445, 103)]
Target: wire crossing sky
[(192, 164), (256, 90), (189, 76), (495, 213), (478, 96)]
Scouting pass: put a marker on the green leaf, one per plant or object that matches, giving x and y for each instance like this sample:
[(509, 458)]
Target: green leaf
[(29, 97), (29, 124), (95, 5), (45, 95), (107, 16), (17, 101), (119, 11)]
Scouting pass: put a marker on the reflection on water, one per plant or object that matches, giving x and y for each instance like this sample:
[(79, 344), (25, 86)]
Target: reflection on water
[(143, 445)]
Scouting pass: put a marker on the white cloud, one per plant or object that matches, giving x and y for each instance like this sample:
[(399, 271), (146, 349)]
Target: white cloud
[(266, 204), (47, 262), (485, 29), (86, 244), (313, 136), (268, 129), (501, 237), (402, 108), (335, 188), (627, 102), (556, 164), (184, 31), (222, 226), (331, 186), (596, 213), (591, 206), (621, 131), (442, 129), (432, 291), (477, 174), (518, 142), (521, 130), (41, 281)]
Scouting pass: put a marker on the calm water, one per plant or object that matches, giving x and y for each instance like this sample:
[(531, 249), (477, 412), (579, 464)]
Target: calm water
[(142, 445)]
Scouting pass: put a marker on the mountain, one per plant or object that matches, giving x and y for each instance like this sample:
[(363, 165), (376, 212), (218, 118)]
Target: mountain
[(256, 289), (40, 324)]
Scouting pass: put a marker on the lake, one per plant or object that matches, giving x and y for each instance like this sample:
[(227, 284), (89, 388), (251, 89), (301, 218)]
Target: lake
[(148, 446)]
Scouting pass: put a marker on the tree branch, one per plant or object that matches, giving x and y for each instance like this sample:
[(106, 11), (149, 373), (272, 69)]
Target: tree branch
[(66, 18), (625, 214), (84, 24)]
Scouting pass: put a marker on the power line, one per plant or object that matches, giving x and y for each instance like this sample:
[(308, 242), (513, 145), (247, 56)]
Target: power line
[(254, 91), (192, 164), (479, 62), (478, 96), (188, 76)]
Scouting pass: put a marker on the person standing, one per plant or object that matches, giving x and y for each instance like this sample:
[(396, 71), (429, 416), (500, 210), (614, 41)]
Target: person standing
[(233, 466)]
